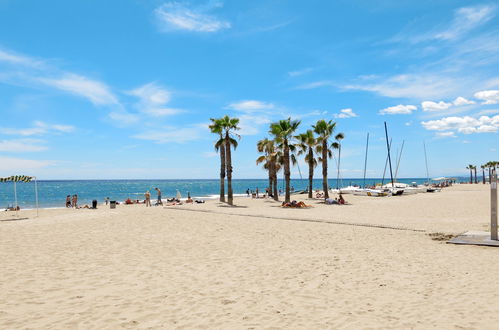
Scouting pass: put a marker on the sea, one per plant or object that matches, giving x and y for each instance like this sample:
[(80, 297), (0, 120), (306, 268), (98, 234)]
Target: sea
[(52, 193)]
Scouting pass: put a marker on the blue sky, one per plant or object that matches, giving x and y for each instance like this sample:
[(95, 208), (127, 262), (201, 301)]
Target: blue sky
[(125, 89)]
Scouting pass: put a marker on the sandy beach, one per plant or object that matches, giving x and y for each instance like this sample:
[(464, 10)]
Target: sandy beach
[(371, 264)]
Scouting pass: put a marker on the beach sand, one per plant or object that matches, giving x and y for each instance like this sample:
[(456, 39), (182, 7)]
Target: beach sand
[(371, 264)]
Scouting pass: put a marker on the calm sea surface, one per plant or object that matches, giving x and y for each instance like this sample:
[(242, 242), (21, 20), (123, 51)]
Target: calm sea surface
[(53, 193)]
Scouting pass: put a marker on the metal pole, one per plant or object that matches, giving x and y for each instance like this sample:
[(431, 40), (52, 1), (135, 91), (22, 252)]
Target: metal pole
[(365, 161), (493, 207), (389, 158), (36, 196)]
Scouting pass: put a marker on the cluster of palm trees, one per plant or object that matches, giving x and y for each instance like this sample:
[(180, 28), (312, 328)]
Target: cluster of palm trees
[(490, 166), (280, 151), (225, 128)]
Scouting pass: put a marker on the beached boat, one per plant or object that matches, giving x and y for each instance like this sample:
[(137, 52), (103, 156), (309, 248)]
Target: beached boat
[(371, 192)]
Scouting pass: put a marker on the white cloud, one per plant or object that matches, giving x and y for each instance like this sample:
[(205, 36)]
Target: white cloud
[(459, 101), (39, 128), (345, 113), (171, 135), (488, 97), (22, 145), (16, 165), (465, 125), (446, 134), (398, 109), (250, 106), (176, 16), (95, 91), (433, 106)]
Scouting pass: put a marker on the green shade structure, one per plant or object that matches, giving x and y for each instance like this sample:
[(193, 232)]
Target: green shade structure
[(21, 178)]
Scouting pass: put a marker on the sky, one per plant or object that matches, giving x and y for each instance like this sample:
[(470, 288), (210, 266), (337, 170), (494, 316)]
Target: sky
[(124, 89)]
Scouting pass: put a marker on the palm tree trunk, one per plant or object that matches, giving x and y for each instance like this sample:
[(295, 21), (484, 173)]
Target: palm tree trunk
[(222, 173), (230, 198), (274, 180), (287, 172), (483, 175), (310, 171), (490, 176), (471, 175), (324, 170), (271, 177), (475, 176)]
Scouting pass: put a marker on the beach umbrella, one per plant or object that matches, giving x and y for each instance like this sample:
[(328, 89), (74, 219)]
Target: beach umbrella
[(21, 178), (179, 196)]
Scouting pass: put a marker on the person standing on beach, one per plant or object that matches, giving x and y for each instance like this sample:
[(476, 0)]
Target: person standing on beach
[(256, 192), (159, 202), (75, 201), (148, 198)]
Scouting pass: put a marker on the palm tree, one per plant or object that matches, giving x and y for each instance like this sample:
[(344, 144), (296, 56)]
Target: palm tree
[(271, 159), (470, 167), (324, 130), (307, 143), (483, 173), (229, 126), (283, 131), (216, 128), (337, 145), (474, 169)]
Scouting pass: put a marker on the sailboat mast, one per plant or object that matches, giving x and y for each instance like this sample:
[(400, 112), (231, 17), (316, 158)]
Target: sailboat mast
[(398, 161), (389, 157), (365, 161), (386, 164), (426, 162)]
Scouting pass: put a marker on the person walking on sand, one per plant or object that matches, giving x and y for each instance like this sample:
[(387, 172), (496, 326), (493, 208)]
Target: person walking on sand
[(159, 202), (148, 198)]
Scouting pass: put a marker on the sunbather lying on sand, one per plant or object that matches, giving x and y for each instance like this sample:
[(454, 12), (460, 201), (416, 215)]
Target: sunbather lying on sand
[(295, 204)]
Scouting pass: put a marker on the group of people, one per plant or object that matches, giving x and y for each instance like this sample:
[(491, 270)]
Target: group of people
[(295, 204), (340, 200), (72, 201), (268, 192), (148, 198)]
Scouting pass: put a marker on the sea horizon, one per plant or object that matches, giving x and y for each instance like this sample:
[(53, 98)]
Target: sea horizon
[(52, 193)]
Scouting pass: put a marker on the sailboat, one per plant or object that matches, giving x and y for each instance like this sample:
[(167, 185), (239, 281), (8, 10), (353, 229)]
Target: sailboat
[(367, 191)]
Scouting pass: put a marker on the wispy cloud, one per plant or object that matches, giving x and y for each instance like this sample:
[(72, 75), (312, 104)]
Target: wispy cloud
[(250, 106), (398, 110), (95, 91), (300, 72), (38, 128), (153, 100), (22, 145), (14, 165), (178, 16), (317, 84), (13, 58), (465, 20), (172, 135)]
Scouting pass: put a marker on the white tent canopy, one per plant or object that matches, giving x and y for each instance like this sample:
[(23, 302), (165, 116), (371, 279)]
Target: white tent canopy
[(440, 178)]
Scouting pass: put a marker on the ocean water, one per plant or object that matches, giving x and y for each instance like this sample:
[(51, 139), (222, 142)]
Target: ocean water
[(53, 193)]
